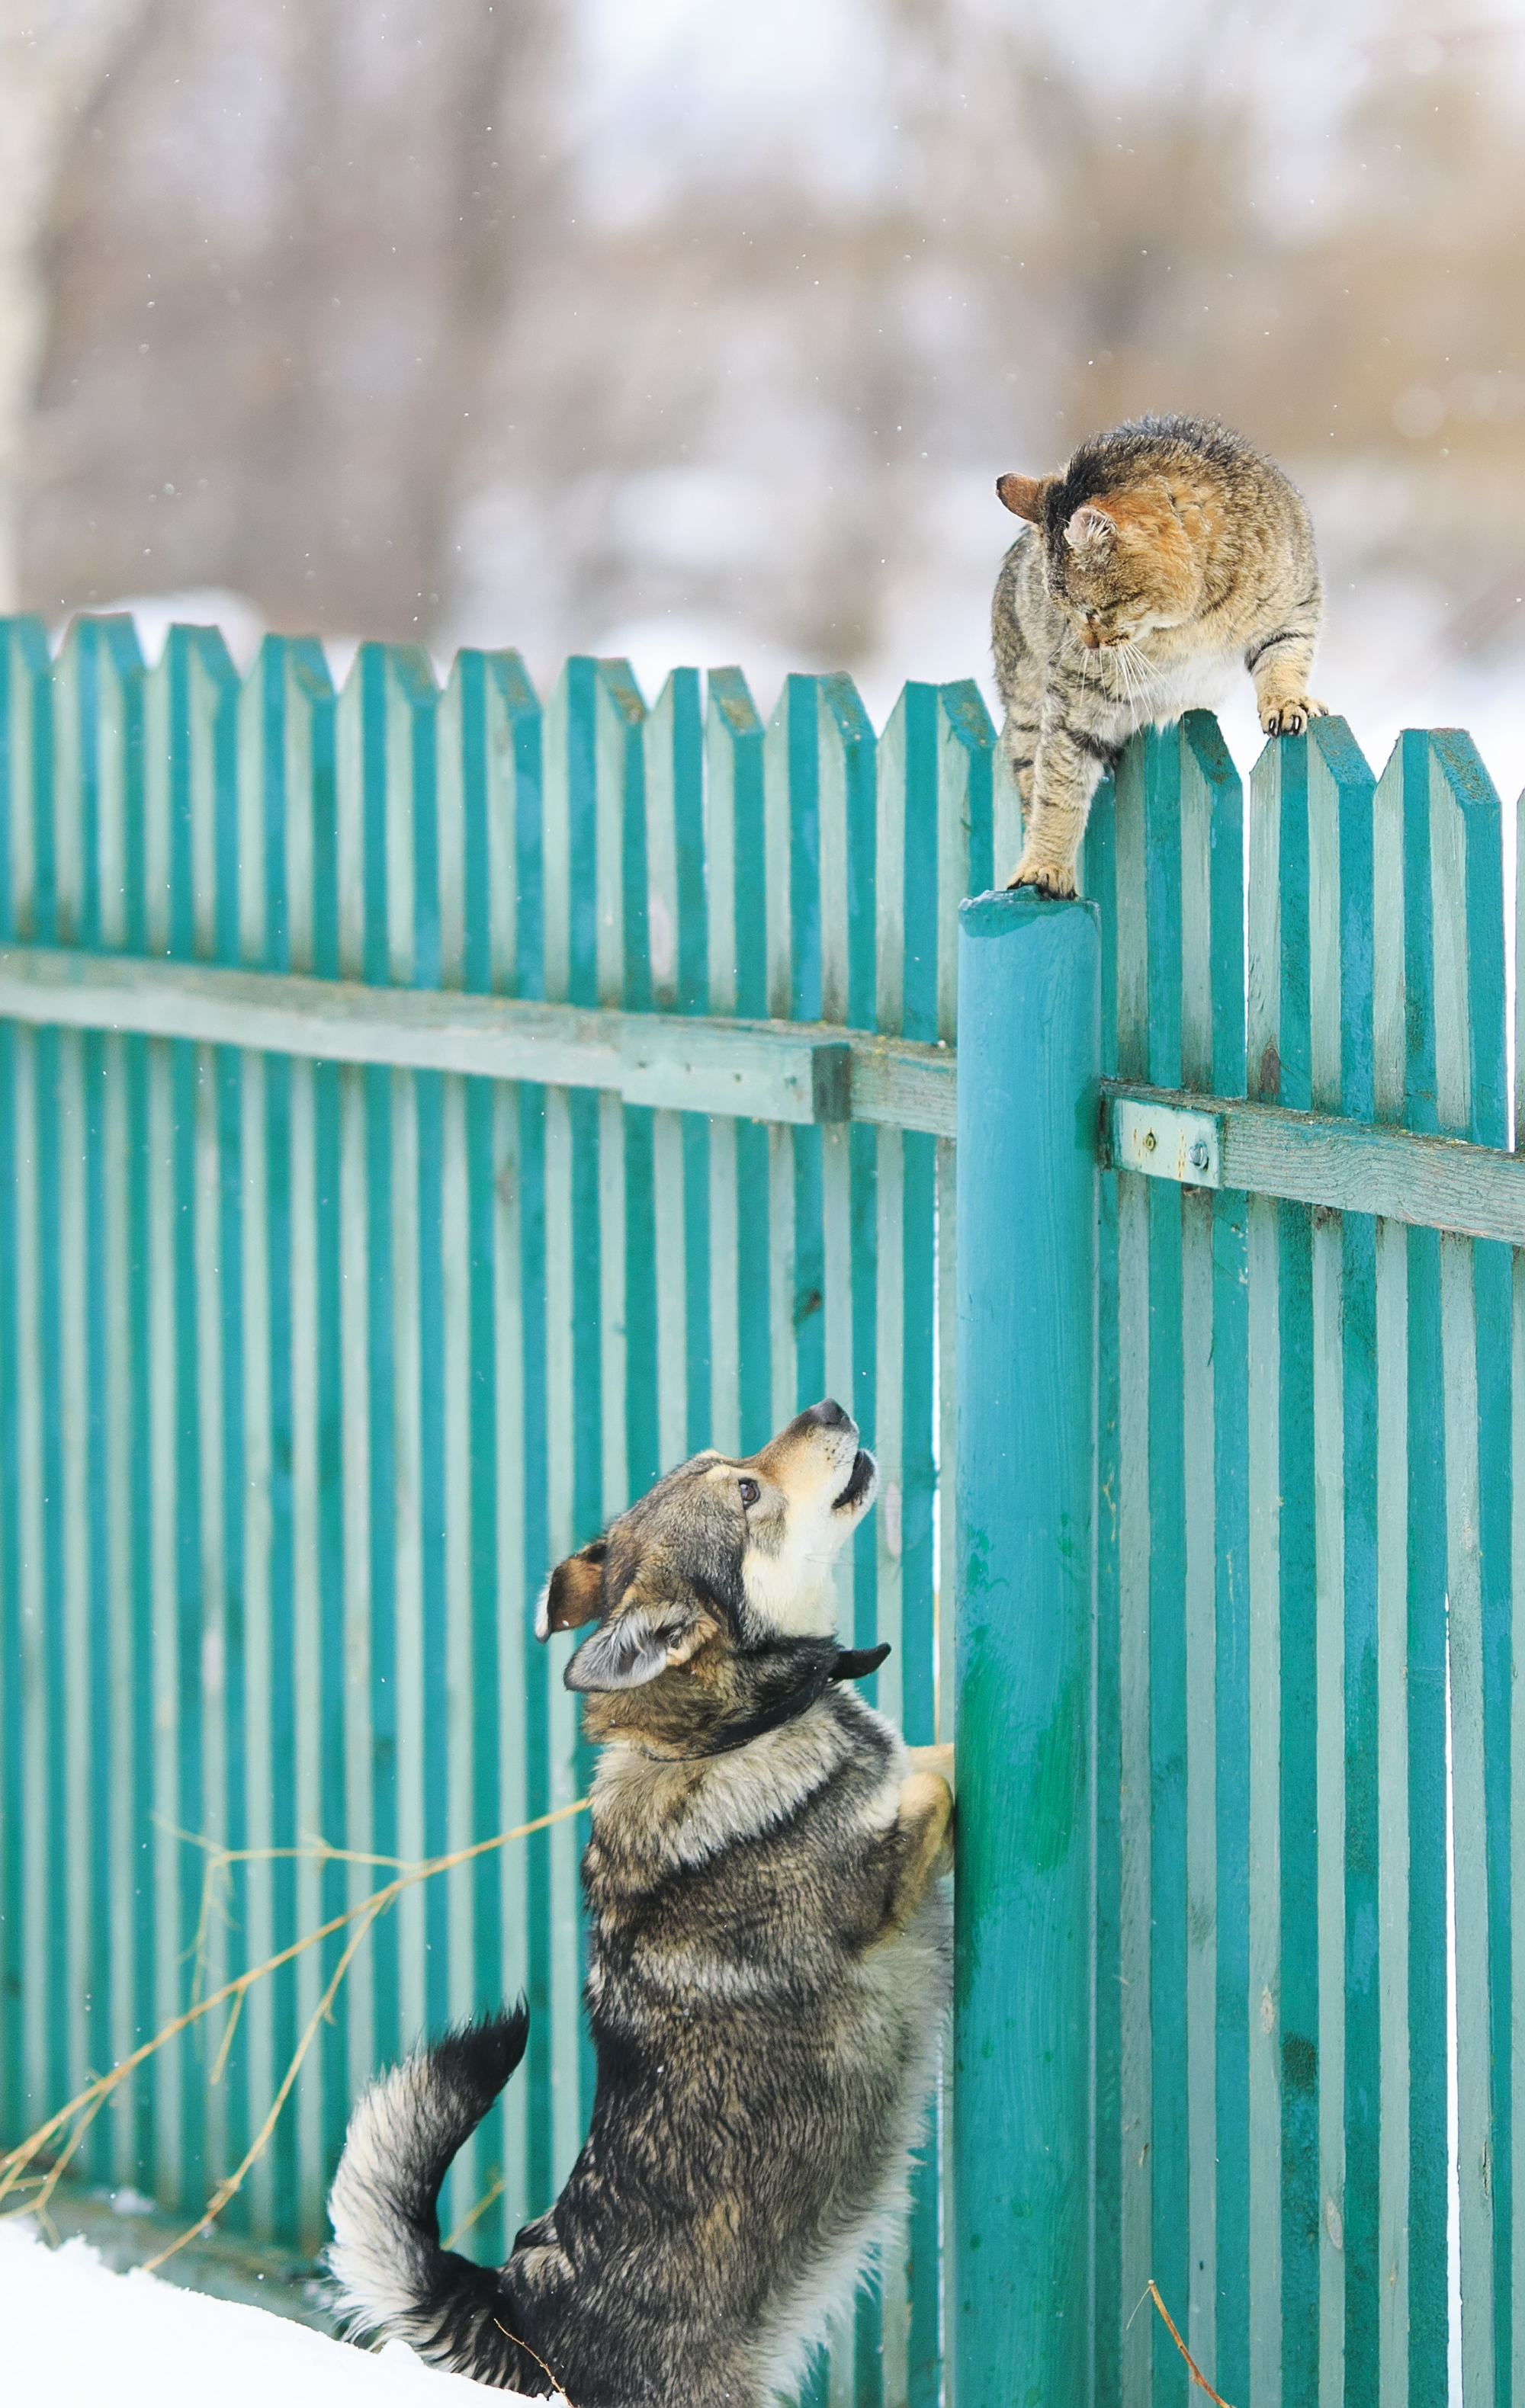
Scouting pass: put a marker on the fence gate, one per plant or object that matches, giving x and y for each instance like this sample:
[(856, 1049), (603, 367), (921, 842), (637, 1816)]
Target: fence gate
[(1241, 1519)]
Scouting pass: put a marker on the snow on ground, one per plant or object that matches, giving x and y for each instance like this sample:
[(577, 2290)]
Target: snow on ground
[(74, 2335)]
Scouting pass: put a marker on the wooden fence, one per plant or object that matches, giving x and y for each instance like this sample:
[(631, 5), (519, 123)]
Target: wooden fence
[(1294, 1479), (380, 1210), (426, 1115)]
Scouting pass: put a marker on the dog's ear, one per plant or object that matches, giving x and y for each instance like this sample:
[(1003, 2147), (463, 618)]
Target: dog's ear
[(637, 1645), (574, 1593)]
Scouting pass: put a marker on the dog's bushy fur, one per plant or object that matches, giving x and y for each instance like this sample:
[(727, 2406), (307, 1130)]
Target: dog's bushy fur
[(768, 1967)]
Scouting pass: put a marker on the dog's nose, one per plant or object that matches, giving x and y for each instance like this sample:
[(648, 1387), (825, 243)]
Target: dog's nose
[(831, 1415)]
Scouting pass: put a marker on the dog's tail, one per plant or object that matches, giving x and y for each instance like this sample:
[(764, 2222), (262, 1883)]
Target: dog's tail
[(391, 2274)]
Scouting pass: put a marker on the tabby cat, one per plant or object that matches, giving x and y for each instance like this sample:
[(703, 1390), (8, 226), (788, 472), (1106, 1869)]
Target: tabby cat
[(1165, 550)]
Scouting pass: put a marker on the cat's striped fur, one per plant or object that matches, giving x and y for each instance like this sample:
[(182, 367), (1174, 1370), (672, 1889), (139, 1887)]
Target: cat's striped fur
[(1163, 554)]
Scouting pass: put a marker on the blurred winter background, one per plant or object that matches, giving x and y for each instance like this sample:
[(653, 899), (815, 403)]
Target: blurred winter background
[(695, 329)]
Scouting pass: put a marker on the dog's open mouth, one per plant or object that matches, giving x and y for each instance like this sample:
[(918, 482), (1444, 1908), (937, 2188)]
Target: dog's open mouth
[(858, 1479)]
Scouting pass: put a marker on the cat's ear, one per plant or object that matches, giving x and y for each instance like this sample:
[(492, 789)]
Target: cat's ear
[(1024, 495), (1090, 530)]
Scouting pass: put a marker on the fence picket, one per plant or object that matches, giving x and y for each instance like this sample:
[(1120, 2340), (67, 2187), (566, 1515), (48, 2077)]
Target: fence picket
[(1135, 1331), (1509, 2052), (573, 1357), (1467, 919), (1099, 882)]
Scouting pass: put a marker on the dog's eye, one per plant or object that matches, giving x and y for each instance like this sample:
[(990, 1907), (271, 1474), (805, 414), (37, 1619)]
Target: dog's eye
[(750, 1491)]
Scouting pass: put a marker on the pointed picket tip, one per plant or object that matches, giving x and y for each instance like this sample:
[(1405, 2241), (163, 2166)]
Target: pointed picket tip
[(507, 675), (1201, 742), (408, 670), (618, 680), (112, 632), (729, 700), (24, 633), (841, 701), (302, 658), (682, 689), (964, 710)]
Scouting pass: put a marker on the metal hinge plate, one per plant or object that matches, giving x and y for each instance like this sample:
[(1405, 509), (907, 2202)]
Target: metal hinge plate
[(1164, 1141)]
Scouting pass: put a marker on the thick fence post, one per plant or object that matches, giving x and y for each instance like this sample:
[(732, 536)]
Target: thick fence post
[(1029, 1062)]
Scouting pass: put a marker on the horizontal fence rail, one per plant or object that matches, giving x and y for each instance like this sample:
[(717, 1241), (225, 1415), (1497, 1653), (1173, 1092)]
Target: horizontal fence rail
[(380, 1209), (1427, 1181), (763, 1071)]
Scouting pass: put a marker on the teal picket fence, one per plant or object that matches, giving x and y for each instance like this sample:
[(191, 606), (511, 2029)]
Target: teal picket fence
[(1307, 1676), (315, 1354), (1267, 1541), (427, 1113)]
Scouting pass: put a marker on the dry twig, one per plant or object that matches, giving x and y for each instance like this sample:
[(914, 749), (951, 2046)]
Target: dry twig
[(1196, 2376), (76, 2116)]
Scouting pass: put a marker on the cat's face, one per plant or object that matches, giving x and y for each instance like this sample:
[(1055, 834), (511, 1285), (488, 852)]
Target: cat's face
[(1122, 566)]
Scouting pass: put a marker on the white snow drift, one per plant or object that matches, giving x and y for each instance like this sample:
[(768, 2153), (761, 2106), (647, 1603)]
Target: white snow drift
[(74, 2335)]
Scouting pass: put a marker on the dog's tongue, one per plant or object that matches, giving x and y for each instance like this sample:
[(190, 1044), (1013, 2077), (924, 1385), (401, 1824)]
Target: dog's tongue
[(856, 1663)]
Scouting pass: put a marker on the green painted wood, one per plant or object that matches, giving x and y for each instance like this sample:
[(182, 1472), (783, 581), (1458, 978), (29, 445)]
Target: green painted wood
[(474, 1259), (1211, 790), (1211, 875), (1284, 980), (813, 1073), (673, 741), (526, 1167), (1029, 1014), (1509, 2056), (792, 763), (574, 1272), (1130, 965), (1404, 834), (478, 801), (1098, 878), (1424, 1180), (1467, 939)]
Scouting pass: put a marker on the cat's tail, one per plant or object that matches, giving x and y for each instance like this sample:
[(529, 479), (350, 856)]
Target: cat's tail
[(392, 2276)]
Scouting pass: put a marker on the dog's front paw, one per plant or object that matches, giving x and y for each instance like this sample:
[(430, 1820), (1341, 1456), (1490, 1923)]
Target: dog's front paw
[(1290, 718), (924, 1825), (1057, 885)]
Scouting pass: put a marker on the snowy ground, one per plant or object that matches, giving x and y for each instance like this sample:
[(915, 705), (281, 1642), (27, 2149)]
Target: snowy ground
[(74, 2335)]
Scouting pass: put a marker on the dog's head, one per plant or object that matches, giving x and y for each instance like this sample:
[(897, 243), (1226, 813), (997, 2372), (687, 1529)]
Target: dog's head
[(716, 1587)]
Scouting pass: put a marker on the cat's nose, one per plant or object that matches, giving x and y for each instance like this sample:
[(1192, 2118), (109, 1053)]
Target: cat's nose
[(1092, 639)]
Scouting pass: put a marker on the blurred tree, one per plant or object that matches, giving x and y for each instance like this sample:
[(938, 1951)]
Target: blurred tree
[(51, 60), (373, 316), (280, 248)]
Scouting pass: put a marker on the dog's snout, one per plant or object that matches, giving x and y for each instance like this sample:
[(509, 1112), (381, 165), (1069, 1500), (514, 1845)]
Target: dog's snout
[(831, 1415)]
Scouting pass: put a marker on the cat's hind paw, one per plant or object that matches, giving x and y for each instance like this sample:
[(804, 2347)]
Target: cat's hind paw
[(1057, 885), (1291, 717)]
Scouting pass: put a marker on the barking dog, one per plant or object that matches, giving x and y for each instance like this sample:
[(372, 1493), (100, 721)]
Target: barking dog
[(768, 1971)]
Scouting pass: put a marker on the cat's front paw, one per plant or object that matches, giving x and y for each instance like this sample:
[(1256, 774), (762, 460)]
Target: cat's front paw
[(1290, 718), (1056, 883)]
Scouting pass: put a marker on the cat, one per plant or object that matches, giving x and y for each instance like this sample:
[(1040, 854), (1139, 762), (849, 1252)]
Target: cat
[(1163, 552)]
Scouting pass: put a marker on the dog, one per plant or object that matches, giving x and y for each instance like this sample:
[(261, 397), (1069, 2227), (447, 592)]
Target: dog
[(768, 1951)]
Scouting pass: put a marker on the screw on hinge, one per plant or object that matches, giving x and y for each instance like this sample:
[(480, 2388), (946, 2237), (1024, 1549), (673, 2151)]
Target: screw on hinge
[(1149, 1140), (1198, 1157)]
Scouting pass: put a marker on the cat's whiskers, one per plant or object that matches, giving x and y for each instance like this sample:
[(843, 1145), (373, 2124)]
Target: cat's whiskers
[(1128, 657)]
